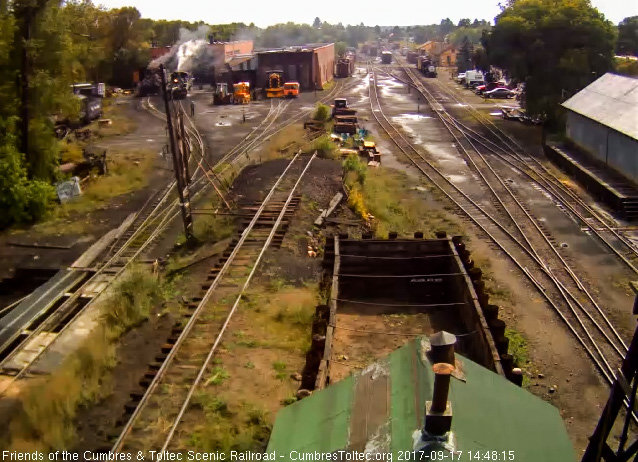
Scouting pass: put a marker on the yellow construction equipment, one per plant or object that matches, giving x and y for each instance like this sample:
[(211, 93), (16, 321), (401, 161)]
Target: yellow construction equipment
[(241, 93), (275, 84)]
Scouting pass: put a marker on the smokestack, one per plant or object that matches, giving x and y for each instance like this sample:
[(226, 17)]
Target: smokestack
[(438, 412), (442, 344)]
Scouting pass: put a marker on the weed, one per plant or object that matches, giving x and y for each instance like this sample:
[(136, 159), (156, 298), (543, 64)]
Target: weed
[(325, 147), (289, 401), (279, 366), (45, 420), (232, 430), (353, 163), (322, 113), (517, 347), (213, 228), (275, 284), (218, 375), (248, 343), (132, 300), (249, 365)]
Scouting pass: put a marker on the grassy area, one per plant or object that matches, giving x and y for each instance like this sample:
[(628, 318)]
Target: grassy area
[(329, 85), (121, 124), (392, 202), (128, 171), (271, 334), (240, 427), (45, 419)]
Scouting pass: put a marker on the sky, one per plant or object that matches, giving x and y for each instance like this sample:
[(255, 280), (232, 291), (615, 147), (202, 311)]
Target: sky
[(371, 12)]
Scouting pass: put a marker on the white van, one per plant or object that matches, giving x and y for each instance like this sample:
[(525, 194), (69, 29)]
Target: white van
[(473, 78)]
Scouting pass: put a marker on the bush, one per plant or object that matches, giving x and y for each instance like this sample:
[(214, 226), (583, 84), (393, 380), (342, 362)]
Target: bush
[(353, 164), (133, 299), (21, 200), (325, 148), (322, 113)]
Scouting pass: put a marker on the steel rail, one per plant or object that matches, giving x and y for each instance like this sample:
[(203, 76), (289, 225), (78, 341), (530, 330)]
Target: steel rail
[(545, 179), (532, 279), (202, 370), (562, 289), (443, 113), (191, 322)]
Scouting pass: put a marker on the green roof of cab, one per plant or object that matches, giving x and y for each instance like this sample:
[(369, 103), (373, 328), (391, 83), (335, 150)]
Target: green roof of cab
[(381, 408)]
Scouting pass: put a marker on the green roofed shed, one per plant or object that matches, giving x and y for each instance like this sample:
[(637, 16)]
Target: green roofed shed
[(382, 409)]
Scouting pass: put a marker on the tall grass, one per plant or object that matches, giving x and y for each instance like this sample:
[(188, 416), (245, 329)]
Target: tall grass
[(325, 147), (224, 429), (45, 419)]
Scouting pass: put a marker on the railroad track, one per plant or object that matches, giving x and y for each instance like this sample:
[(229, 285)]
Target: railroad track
[(152, 219), (154, 414), (510, 226), (505, 148)]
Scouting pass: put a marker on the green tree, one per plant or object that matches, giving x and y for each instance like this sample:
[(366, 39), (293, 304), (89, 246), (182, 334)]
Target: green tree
[(446, 27), (464, 57), (21, 200), (556, 47), (317, 23), (340, 48), (628, 36)]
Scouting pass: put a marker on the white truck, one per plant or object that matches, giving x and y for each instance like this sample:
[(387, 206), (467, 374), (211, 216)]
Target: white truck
[(473, 78)]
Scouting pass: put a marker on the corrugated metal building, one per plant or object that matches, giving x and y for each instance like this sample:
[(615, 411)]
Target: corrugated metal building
[(310, 65), (602, 120), (380, 409)]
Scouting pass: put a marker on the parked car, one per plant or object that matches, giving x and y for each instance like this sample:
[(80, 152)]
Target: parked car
[(499, 93), (489, 87), (461, 77)]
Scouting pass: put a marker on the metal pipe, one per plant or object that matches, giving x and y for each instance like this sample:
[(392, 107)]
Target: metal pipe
[(442, 376)]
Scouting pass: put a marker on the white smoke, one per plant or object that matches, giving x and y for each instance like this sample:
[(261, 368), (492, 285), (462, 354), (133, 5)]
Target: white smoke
[(190, 44), (188, 52)]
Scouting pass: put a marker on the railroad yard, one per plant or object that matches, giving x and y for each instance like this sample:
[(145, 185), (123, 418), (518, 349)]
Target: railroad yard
[(309, 260)]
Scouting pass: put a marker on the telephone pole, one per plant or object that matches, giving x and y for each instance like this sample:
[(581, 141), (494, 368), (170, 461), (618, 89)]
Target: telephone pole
[(181, 175)]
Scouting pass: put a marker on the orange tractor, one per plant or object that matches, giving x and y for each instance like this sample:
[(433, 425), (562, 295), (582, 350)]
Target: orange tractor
[(241, 94)]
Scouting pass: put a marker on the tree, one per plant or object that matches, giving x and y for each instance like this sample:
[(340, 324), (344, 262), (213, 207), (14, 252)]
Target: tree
[(377, 30), (555, 46), (317, 23), (446, 27), (340, 48), (464, 57), (465, 23), (628, 36)]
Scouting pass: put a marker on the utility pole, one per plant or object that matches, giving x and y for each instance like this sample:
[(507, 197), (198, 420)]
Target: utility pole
[(182, 190)]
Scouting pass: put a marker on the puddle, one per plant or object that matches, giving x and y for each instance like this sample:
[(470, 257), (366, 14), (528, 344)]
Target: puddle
[(442, 152), (411, 117), (149, 140), (456, 178), (223, 124), (495, 113)]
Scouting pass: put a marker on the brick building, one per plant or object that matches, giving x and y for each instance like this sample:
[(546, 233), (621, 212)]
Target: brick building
[(311, 65), (225, 50)]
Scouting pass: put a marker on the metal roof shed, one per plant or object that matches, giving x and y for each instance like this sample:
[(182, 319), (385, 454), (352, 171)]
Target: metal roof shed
[(381, 409), (612, 100), (602, 121)]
